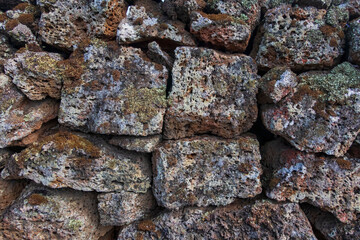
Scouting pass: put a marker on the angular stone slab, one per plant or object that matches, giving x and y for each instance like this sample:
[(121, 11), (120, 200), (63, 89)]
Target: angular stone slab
[(44, 213), (138, 144), (19, 116), (329, 183), (299, 38), (113, 90), (203, 171), (259, 220), (212, 92), (80, 162), (36, 74), (118, 209), (323, 113)]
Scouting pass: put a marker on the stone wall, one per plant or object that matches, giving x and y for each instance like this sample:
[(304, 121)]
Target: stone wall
[(179, 119)]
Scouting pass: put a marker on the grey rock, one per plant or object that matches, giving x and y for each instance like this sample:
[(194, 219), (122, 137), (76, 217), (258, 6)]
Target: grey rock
[(159, 56), (140, 144), (354, 41), (5, 155)]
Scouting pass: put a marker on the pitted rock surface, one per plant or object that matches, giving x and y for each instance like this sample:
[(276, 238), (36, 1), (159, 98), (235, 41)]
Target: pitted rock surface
[(212, 92), (6, 50), (203, 171), (81, 162), (5, 155), (121, 208), (19, 116), (113, 90), (139, 144), (259, 220), (354, 41), (323, 113), (326, 182), (36, 74), (44, 213), (300, 38)]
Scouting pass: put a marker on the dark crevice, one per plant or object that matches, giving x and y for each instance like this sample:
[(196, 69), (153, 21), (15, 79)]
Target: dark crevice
[(251, 43), (262, 134), (48, 48)]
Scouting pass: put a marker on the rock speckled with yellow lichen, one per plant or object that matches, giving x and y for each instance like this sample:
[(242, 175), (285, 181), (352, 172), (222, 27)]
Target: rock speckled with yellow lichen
[(139, 144), (45, 213), (203, 171), (242, 220)]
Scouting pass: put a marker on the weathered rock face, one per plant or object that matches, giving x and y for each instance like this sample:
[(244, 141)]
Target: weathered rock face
[(354, 43), (141, 24), (5, 155), (64, 24), (10, 191), (156, 54), (300, 38), (181, 9), (117, 209), (19, 116), (231, 25), (138, 144), (80, 162), (330, 227), (6, 50), (113, 90), (326, 182), (36, 74), (203, 171), (323, 113), (212, 92), (261, 220), (44, 213)]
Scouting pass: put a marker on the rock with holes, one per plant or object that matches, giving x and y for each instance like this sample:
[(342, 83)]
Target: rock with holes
[(36, 74), (300, 38), (64, 24), (113, 90), (203, 171), (121, 208), (323, 113), (230, 27), (19, 117), (276, 84), (326, 182), (330, 227), (212, 92), (81, 162), (321, 4), (10, 190), (353, 6), (147, 23), (354, 41), (181, 9), (262, 219), (44, 213), (140, 144)]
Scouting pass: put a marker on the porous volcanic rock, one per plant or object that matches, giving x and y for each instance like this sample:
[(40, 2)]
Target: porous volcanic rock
[(212, 92), (330, 227), (181, 9), (300, 38), (5, 155), (354, 41), (323, 115), (203, 171), (81, 162), (260, 220), (113, 90), (65, 23), (6, 50), (156, 54), (36, 74), (19, 116), (140, 144), (229, 26), (144, 23), (118, 209), (44, 213), (326, 182), (9, 191)]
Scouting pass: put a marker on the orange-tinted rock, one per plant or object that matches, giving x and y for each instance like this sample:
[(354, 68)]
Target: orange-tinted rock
[(9, 191)]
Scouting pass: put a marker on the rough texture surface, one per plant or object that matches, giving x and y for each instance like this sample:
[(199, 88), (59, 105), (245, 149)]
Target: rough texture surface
[(138, 144), (81, 162), (323, 113), (118, 209), (300, 38), (211, 92), (261, 220), (354, 41), (156, 54), (117, 90), (36, 74), (19, 116), (43, 213), (5, 155), (326, 182), (6, 50), (203, 171), (9, 192)]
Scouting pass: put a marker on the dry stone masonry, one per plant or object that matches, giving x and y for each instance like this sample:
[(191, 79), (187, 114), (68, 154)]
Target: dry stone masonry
[(179, 119)]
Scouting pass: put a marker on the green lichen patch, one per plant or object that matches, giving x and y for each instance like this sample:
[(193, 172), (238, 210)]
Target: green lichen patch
[(74, 224)]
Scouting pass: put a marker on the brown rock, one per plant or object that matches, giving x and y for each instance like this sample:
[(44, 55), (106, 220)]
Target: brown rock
[(9, 191), (140, 144)]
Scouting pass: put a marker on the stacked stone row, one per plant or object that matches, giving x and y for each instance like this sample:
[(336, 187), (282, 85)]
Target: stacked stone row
[(145, 115)]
